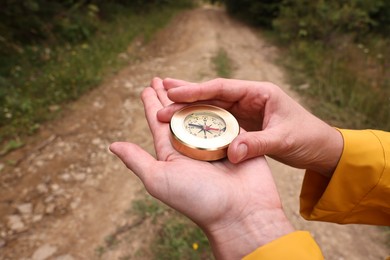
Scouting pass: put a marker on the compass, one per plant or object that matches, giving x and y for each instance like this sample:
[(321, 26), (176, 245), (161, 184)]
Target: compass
[(203, 132)]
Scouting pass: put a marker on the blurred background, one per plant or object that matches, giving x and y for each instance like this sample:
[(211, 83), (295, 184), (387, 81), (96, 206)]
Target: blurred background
[(335, 55), (54, 51)]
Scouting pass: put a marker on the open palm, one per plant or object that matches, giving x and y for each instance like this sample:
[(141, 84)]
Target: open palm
[(280, 127), (206, 192)]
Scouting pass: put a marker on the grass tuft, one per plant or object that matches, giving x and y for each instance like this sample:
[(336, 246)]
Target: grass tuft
[(222, 64), (178, 237)]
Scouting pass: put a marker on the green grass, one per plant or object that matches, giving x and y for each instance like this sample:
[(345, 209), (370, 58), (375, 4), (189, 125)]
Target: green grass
[(43, 78), (178, 238), (181, 239), (349, 86), (222, 64), (148, 208)]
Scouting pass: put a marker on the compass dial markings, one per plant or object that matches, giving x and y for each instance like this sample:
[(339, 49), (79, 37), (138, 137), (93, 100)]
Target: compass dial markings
[(210, 125)]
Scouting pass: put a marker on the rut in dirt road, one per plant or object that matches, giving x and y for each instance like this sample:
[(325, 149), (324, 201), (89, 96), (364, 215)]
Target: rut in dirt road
[(68, 193)]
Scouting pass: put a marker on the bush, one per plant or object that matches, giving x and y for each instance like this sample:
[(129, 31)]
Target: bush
[(256, 12), (54, 51), (340, 47), (320, 20), (314, 18)]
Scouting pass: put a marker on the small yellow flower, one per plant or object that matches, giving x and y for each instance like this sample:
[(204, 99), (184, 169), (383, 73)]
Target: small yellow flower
[(195, 246)]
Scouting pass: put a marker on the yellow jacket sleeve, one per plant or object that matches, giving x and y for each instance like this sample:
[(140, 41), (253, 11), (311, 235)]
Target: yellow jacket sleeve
[(298, 245), (359, 190)]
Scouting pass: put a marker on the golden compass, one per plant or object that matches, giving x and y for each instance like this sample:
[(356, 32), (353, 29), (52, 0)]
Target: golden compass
[(203, 132)]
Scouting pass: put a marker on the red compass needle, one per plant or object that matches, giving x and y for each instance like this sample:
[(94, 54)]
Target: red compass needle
[(211, 128)]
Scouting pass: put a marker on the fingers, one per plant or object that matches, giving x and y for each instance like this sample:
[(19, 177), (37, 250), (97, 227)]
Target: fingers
[(220, 89), (151, 105), (160, 131), (216, 92), (165, 114), (157, 85), (173, 83), (253, 144), (135, 158)]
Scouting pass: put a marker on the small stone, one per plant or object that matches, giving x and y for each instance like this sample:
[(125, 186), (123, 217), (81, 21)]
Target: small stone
[(65, 177), (64, 257), (304, 86), (50, 208), (39, 163), (55, 186), (37, 218), (42, 188), (49, 199), (79, 176), (128, 85), (123, 56), (54, 108), (59, 191), (25, 208), (2, 243), (39, 208), (44, 252), (15, 223), (75, 203), (96, 141)]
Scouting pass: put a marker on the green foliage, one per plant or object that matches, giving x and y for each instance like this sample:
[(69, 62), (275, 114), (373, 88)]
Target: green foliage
[(181, 239), (11, 145), (317, 18), (53, 53), (148, 207), (256, 12), (346, 61), (178, 237), (31, 21), (349, 85), (320, 20), (222, 64), (340, 48)]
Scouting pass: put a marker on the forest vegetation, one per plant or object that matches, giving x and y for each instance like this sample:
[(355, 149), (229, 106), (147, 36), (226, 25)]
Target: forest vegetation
[(54, 51), (337, 52)]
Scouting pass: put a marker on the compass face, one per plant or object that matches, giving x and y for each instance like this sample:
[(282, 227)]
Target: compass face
[(203, 132), (205, 125)]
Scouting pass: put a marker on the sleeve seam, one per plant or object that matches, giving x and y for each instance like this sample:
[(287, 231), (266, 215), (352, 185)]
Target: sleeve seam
[(379, 179)]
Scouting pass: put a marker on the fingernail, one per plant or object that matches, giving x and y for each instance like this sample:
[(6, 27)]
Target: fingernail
[(242, 151)]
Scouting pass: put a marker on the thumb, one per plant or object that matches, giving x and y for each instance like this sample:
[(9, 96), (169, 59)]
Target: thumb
[(251, 144), (134, 157)]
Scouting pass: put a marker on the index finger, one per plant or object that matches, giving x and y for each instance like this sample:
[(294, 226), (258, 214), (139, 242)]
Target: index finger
[(173, 83), (157, 85), (160, 131), (218, 89)]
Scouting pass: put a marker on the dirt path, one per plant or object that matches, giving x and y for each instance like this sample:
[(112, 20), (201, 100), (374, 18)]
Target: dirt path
[(67, 193)]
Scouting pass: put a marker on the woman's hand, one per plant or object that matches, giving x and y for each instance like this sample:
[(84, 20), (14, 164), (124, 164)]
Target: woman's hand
[(237, 205), (277, 125)]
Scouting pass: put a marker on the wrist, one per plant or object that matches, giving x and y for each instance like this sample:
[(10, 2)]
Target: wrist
[(239, 238), (330, 152)]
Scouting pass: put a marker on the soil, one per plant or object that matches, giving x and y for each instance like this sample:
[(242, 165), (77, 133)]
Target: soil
[(66, 194)]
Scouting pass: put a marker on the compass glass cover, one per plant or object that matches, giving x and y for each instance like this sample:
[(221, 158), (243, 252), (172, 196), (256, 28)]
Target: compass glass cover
[(205, 125)]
